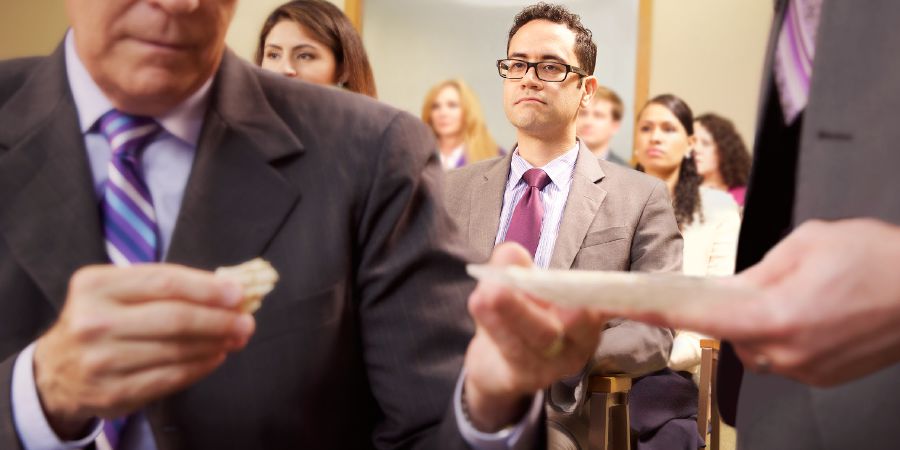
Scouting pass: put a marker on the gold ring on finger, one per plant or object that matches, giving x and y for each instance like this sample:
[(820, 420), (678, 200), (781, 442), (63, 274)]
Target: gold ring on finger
[(555, 347)]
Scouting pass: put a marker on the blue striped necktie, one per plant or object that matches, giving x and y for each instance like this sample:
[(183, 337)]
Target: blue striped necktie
[(129, 221)]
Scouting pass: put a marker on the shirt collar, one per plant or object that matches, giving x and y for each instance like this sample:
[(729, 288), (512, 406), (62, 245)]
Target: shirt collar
[(453, 160), (560, 169), (184, 121)]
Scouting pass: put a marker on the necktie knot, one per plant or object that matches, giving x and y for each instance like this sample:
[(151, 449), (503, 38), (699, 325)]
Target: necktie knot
[(536, 178), (126, 133)]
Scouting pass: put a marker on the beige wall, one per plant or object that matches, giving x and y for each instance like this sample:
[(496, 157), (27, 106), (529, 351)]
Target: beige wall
[(30, 27), (710, 53), (35, 27)]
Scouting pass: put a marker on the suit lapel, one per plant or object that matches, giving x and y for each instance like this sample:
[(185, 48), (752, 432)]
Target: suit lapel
[(236, 199), (585, 198), (49, 213), (486, 205)]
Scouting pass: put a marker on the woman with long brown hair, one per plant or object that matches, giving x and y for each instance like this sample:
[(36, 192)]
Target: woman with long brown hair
[(313, 40), (709, 219), (452, 111)]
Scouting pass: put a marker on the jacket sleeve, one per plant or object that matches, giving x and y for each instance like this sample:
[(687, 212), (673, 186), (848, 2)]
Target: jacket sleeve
[(412, 291)]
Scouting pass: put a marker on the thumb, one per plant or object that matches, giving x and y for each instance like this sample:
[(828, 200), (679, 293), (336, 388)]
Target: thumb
[(510, 254)]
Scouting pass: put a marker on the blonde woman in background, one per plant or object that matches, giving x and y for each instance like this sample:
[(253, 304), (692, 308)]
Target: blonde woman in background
[(452, 111)]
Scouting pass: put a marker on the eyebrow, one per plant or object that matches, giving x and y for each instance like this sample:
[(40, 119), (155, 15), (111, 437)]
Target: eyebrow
[(660, 122), (544, 57), (279, 47)]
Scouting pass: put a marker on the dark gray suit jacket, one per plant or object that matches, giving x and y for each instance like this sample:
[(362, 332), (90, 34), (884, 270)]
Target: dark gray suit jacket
[(841, 163), (361, 342)]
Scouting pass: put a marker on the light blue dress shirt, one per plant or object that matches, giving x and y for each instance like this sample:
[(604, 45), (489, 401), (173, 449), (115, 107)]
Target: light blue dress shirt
[(167, 162)]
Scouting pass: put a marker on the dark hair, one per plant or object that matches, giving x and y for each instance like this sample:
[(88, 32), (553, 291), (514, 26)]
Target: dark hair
[(332, 28), (734, 159), (585, 49), (686, 201)]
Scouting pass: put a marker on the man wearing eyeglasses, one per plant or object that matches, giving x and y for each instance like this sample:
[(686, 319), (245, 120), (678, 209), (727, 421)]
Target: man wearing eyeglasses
[(567, 208)]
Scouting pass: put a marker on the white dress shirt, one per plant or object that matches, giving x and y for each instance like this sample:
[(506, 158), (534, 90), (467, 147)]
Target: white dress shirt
[(553, 198), (166, 162)]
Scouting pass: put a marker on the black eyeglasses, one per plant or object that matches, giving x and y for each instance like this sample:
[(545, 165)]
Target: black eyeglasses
[(515, 69)]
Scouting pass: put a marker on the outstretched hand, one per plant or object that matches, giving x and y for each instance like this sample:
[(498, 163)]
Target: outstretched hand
[(521, 346), (829, 310)]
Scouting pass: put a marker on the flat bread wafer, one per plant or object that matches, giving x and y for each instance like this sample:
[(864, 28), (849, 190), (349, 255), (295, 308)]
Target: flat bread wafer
[(257, 277)]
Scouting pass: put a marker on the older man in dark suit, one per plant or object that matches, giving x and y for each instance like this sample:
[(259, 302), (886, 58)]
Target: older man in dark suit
[(143, 140)]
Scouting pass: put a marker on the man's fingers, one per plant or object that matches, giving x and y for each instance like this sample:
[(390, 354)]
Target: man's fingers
[(148, 282), (518, 326), (172, 320), (129, 357), (582, 330), (732, 318), (503, 316), (510, 254)]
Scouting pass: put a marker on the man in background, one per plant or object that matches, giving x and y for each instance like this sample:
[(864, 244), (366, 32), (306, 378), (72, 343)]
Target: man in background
[(599, 121)]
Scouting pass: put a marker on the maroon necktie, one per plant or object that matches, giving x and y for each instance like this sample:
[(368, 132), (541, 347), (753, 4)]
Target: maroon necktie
[(525, 225)]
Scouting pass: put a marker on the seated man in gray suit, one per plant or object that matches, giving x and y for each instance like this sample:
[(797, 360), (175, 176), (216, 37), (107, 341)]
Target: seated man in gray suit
[(567, 207), (141, 140)]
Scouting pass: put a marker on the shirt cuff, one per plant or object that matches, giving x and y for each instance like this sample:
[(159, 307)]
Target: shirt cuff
[(515, 437), (28, 415)]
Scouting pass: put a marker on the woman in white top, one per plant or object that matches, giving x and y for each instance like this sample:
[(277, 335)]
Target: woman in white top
[(709, 219), (452, 111)]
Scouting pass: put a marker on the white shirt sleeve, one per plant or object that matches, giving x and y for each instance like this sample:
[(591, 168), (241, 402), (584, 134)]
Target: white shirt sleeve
[(517, 437), (28, 415)]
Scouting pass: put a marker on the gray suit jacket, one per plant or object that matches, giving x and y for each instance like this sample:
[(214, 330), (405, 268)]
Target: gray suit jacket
[(846, 167), (615, 218), (360, 343)]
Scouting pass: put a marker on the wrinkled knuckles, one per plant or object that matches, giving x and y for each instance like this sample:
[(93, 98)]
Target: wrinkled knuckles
[(178, 323), (162, 283), (96, 364), (88, 279), (86, 328)]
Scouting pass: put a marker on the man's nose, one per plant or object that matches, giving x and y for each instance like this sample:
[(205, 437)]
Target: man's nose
[(530, 77)]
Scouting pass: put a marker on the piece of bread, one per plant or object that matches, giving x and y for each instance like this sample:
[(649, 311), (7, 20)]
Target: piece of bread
[(257, 277)]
